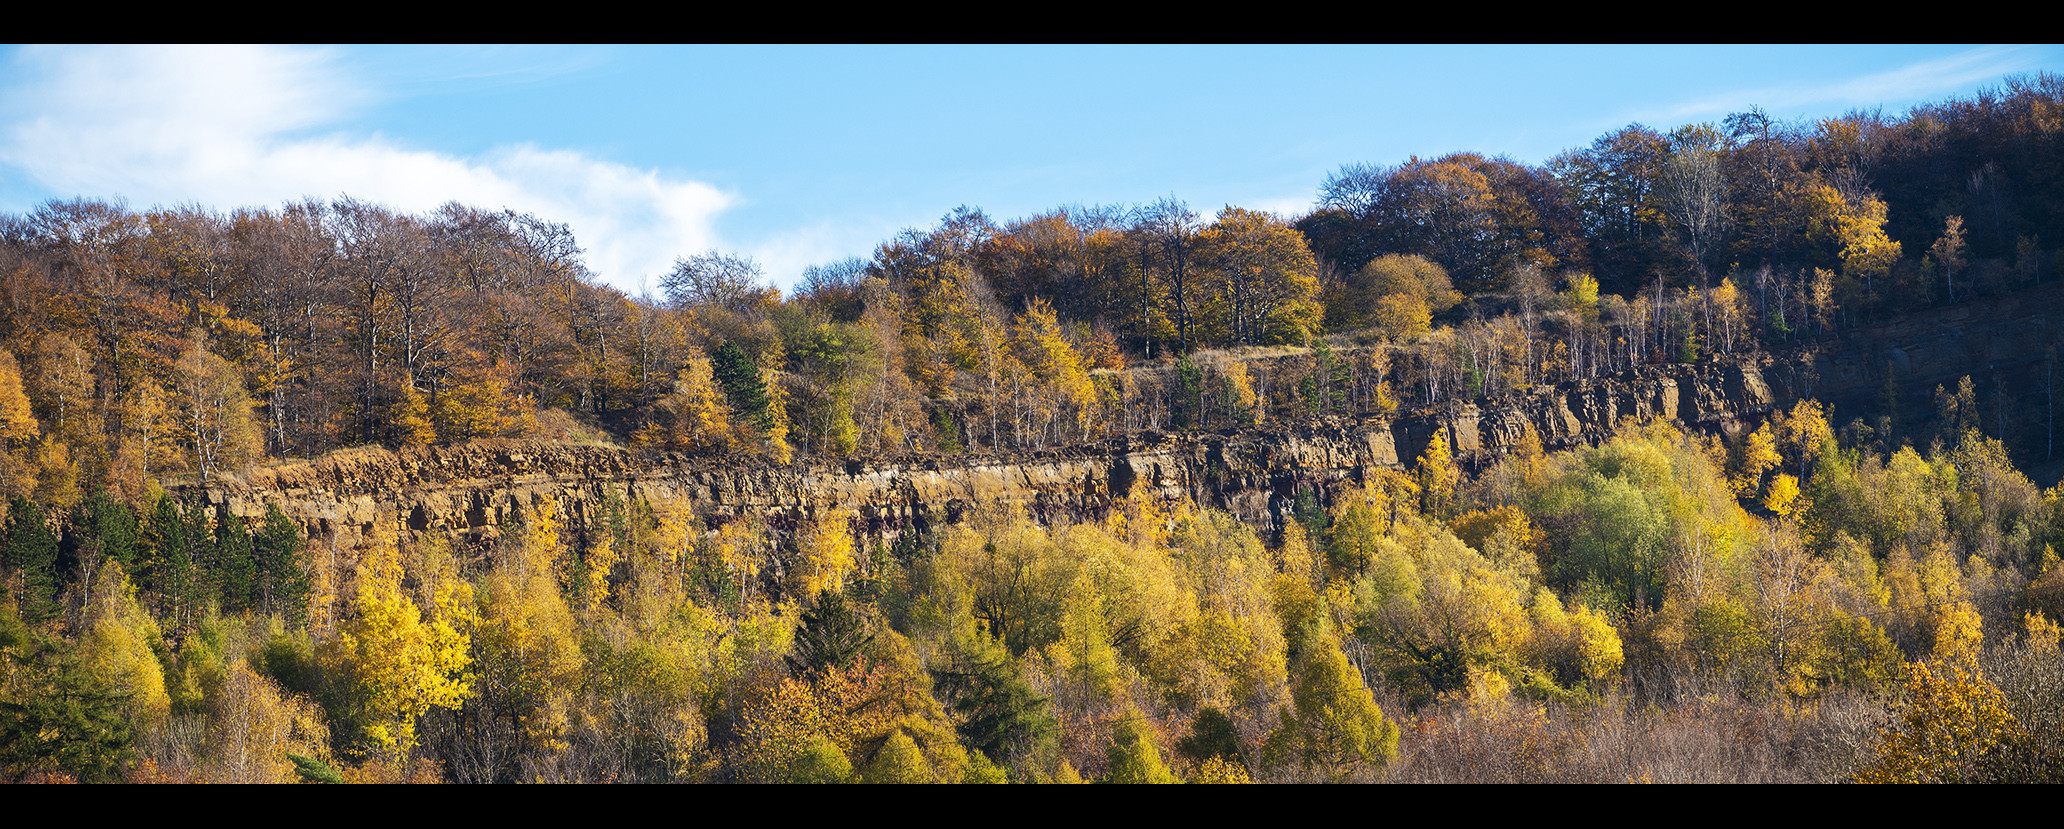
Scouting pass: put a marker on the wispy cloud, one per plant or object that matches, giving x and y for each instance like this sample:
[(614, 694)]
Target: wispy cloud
[(463, 66), (255, 125), (1287, 208), (784, 255), (1913, 82)]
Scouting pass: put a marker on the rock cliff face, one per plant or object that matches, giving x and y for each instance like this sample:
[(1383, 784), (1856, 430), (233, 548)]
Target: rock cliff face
[(2000, 344), (473, 490)]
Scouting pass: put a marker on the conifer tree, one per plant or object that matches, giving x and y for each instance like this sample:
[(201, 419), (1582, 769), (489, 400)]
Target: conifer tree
[(56, 715), (205, 586), (236, 565), (31, 551), (735, 372), (282, 582), (165, 567), (1186, 411), (106, 525), (1324, 388), (832, 634), (999, 715), (1213, 736)]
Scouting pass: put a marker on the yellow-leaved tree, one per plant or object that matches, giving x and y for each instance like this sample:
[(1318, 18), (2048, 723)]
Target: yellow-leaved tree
[(528, 664), (1071, 397), (256, 728), (805, 730), (694, 418), (215, 412), (1748, 462), (477, 403), (401, 663), (775, 433), (1783, 497), (18, 429), (117, 646), (1574, 647), (1955, 729), (411, 418), (1438, 477), (1336, 731), (596, 565), (827, 547), (1854, 228)]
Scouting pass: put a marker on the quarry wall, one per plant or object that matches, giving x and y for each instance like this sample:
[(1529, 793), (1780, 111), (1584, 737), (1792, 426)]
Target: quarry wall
[(475, 489)]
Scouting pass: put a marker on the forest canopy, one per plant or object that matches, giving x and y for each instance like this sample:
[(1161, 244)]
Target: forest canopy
[(1875, 601)]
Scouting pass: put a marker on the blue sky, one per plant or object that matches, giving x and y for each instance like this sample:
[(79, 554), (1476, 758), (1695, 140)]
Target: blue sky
[(803, 155)]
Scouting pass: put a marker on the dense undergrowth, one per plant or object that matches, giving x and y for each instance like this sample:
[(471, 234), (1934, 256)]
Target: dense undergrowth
[(1663, 607)]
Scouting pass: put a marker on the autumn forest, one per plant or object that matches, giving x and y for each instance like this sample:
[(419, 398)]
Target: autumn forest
[(1812, 591)]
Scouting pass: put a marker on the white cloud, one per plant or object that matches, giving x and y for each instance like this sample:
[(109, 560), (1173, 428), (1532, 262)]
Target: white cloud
[(1288, 208), (1913, 82), (783, 256), (1929, 78), (257, 125)]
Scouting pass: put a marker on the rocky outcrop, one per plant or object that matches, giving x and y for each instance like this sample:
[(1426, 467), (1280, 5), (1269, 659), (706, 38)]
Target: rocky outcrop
[(1257, 474), (474, 490)]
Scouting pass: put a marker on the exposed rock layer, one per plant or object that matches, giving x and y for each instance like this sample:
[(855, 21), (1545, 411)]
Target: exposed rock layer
[(1255, 473)]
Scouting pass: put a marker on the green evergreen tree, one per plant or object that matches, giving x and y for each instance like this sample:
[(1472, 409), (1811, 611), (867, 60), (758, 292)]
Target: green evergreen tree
[(206, 583), (166, 570), (104, 525), (830, 636), (282, 581), (1212, 734), (313, 770), (54, 715), (31, 551), (236, 565), (735, 372), (999, 714), (1305, 510), (1187, 410), (1325, 388)]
